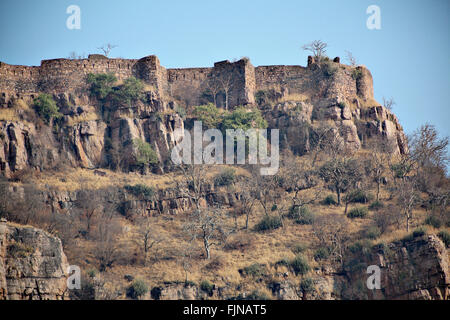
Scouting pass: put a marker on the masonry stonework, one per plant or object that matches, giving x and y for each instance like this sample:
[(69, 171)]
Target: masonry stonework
[(187, 85)]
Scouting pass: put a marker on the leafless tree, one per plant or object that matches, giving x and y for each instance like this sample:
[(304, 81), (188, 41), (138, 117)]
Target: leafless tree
[(247, 190), (377, 164), (318, 48), (351, 59), (227, 83), (193, 183), (106, 48), (332, 231), (298, 178), (205, 221), (213, 87), (186, 259), (388, 103), (428, 149), (149, 235), (408, 198), (342, 173), (107, 247), (74, 56), (88, 206), (322, 139), (208, 225)]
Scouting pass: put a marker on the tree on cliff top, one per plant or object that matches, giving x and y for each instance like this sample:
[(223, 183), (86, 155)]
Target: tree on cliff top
[(318, 48), (106, 48)]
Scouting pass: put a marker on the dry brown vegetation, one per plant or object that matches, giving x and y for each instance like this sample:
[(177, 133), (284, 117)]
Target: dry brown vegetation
[(171, 248)]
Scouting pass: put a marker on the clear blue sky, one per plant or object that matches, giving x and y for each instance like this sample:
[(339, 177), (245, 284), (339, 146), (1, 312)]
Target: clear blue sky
[(408, 57)]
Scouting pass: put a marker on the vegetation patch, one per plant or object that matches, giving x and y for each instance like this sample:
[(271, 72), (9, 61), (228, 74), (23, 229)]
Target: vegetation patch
[(360, 212)]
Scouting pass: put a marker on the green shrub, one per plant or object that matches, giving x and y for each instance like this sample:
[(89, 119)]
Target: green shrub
[(419, 232), (241, 118), (141, 190), (137, 289), (329, 200), (307, 285), (321, 254), (101, 84), (255, 270), (373, 232), (46, 107), (226, 177), (360, 212), (361, 248), (433, 221), (144, 153), (131, 91), (268, 223), (376, 205), (360, 196), (207, 287), (301, 215), (445, 237), (300, 265), (209, 115), (357, 74)]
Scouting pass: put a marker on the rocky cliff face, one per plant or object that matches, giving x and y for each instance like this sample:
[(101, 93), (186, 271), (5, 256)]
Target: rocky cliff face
[(414, 269), (95, 134), (32, 264)]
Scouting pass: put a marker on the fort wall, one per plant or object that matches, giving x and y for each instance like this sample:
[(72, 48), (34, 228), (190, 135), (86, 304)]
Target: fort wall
[(187, 85)]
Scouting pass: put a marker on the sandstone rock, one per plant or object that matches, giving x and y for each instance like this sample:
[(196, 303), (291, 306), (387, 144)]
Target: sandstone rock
[(33, 265)]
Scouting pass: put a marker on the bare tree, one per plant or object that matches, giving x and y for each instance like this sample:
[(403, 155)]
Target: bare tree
[(377, 164), (205, 222), (246, 199), (107, 247), (324, 139), (88, 206), (297, 178), (193, 183), (351, 59), (342, 174), (408, 198), (186, 259), (318, 48), (106, 48), (388, 103), (149, 236), (213, 87), (332, 231), (226, 81), (428, 149), (74, 56), (208, 225)]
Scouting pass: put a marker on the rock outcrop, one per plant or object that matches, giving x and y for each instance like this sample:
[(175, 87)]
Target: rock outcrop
[(414, 269), (94, 134), (33, 265)]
